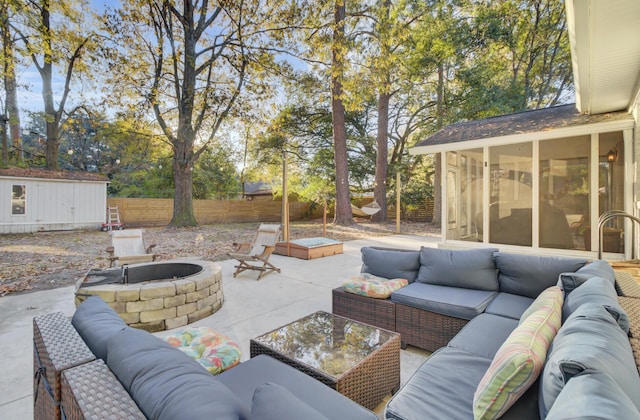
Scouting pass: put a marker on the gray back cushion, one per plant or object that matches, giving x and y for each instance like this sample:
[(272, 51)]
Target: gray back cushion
[(596, 290), (589, 340), (96, 322), (593, 395), (598, 268), (166, 383), (390, 263), (529, 275), (469, 269)]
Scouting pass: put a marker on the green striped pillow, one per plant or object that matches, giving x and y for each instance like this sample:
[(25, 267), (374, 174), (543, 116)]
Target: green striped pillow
[(520, 359)]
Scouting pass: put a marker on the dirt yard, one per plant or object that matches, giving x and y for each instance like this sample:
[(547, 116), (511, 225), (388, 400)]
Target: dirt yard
[(46, 260)]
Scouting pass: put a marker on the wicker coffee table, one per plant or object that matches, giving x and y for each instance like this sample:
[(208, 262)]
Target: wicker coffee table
[(358, 360)]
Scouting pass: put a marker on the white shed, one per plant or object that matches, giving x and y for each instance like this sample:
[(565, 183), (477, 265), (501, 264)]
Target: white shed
[(36, 200)]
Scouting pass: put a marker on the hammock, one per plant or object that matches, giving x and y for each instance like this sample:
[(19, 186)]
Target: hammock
[(368, 210)]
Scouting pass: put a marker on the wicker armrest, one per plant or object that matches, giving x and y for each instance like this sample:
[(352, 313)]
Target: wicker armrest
[(57, 347), (91, 391)]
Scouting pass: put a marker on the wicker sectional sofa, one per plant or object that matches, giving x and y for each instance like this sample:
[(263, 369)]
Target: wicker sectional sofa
[(464, 305), (95, 366)]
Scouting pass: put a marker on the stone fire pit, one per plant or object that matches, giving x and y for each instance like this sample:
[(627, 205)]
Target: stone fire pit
[(160, 295)]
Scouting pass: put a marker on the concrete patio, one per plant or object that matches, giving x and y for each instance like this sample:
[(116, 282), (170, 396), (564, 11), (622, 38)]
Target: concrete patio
[(250, 308)]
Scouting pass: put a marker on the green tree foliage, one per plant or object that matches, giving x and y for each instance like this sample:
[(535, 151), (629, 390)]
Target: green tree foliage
[(56, 37), (195, 64)]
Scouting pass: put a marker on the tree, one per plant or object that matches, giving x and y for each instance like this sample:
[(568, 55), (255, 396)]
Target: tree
[(343, 215), (49, 47), (191, 60), (12, 115)]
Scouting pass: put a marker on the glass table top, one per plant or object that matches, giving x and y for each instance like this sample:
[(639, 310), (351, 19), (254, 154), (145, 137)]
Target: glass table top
[(326, 342)]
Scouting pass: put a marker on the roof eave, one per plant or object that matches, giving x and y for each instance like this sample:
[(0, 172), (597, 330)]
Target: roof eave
[(585, 129)]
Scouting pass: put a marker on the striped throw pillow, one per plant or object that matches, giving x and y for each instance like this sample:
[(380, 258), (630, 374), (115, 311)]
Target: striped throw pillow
[(520, 359)]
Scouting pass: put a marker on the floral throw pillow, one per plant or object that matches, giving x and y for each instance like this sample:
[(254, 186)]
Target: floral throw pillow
[(366, 284)]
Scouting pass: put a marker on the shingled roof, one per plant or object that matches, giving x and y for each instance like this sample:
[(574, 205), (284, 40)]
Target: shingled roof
[(49, 174), (544, 119)]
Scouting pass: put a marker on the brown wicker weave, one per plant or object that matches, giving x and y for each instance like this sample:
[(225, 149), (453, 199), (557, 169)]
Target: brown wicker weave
[(635, 346), (91, 391), (57, 346), (632, 307), (367, 383), (627, 285), (378, 312), (424, 329)]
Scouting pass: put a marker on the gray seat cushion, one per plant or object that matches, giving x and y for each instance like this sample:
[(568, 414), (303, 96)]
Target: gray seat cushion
[(445, 300), (275, 402), (598, 268), (529, 275), (390, 263), (166, 383), (593, 395), (590, 339), (442, 388), (469, 269), (245, 378), (96, 322), (511, 306), (484, 334), (596, 290)]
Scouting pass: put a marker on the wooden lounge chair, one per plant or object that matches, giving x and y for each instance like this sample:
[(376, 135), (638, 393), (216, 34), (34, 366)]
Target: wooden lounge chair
[(128, 247), (255, 255)]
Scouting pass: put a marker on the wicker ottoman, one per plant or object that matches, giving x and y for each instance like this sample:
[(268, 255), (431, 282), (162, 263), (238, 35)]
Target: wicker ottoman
[(213, 350)]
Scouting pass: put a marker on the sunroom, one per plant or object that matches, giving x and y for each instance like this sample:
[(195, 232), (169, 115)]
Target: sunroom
[(537, 179)]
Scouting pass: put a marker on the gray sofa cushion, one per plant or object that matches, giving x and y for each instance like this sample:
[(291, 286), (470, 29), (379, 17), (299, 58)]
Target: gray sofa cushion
[(598, 268), (96, 322), (593, 395), (390, 263), (445, 300), (245, 378), (511, 306), (442, 388), (589, 340), (596, 290), (275, 402), (469, 269), (529, 275), (166, 383), (484, 334)]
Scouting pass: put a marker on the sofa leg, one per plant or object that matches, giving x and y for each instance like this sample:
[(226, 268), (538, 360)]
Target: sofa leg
[(403, 345)]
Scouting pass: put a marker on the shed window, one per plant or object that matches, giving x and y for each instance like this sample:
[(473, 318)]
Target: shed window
[(18, 199)]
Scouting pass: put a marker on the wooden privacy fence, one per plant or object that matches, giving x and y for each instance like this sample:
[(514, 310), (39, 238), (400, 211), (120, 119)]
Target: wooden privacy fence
[(139, 212)]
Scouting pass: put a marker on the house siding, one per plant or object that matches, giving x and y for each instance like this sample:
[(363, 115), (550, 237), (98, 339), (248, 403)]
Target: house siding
[(53, 205)]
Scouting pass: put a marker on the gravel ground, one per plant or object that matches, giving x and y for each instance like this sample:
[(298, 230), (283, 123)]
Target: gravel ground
[(46, 260)]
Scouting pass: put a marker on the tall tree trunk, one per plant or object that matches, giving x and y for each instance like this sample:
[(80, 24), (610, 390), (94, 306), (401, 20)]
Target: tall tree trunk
[(437, 161), (183, 192), (343, 198), (380, 189), (10, 87), (52, 117), (382, 145)]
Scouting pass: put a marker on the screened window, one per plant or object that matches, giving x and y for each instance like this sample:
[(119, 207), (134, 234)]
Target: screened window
[(18, 199)]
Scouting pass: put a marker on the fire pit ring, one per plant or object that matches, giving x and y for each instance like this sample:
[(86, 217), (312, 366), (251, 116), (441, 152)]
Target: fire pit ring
[(160, 295)]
